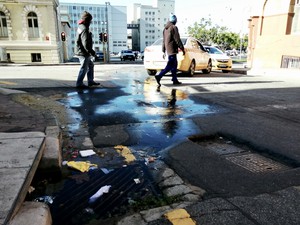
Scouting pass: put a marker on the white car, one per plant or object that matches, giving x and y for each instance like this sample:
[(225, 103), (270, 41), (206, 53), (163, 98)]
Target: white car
[(126, 55), (220, 61), (196, 57)]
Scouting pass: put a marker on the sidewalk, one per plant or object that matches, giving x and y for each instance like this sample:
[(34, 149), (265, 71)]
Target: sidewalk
[(22, 143)]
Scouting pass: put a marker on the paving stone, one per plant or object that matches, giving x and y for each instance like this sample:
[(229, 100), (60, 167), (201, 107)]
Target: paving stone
[(177, 190), (171, 181), (133, 219), (167, 173), (191, 197), (155, 214)]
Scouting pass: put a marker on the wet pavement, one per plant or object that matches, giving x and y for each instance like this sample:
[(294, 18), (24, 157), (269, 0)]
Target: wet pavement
[(145, 119), (135, 114)]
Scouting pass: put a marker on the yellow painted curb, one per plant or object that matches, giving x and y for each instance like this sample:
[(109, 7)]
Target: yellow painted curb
[(179, 217)]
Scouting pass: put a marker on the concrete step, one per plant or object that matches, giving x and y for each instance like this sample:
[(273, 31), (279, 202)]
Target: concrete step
[(21, 155)]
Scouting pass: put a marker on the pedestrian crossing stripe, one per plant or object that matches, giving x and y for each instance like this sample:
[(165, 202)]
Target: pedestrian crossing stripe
[(179, 217)]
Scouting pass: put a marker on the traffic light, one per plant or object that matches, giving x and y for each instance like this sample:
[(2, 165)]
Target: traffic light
[(63, 36), (100, 37), (105, 37)]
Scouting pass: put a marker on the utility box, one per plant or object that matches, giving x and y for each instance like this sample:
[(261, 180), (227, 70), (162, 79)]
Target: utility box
[(3, 55)]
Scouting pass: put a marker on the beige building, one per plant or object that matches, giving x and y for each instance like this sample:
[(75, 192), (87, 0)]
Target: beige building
[(274, 37), (30, 31)]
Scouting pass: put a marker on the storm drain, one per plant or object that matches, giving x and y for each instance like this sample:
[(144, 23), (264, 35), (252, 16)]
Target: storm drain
[(242, 156), (257, 163), (128, 184)]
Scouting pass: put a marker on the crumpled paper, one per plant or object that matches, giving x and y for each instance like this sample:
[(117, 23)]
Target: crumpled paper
[(81, 166), (99, 193)]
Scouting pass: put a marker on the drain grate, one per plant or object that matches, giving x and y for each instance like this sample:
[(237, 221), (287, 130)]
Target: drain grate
[(224, 148), (257, 163), (71, 204)]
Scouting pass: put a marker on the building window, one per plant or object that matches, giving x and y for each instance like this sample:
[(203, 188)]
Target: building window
[(36, 57), (290, 62), (296, 18), (33, 26), (3, 25)]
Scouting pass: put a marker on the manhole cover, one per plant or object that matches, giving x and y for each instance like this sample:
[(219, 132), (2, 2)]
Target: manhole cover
[(257, 163), (224, 148)]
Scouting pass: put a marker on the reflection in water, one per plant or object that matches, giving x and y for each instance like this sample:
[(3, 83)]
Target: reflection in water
[(154, 118), (172, 101), (170, 126)]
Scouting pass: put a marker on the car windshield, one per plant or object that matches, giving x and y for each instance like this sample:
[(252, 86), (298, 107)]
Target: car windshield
[(213, 50), (159, 41)]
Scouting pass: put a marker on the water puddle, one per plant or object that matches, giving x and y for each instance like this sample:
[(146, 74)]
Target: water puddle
[(155, 118)]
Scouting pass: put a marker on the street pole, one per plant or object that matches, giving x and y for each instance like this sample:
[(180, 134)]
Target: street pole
[(107, 43)]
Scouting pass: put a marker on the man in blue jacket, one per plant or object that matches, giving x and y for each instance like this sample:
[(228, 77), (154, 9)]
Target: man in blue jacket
[(171, 43), (84, 51)]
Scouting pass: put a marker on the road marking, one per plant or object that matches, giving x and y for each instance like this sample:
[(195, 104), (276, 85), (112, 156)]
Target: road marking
[(180, 217), (8, 83)]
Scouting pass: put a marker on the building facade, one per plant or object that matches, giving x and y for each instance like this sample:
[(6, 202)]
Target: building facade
[(29, 31), (151, 21), (108, 19), (274, 36)]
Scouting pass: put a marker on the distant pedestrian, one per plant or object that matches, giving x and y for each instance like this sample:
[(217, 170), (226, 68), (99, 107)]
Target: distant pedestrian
[(171, 43), (85, 52)]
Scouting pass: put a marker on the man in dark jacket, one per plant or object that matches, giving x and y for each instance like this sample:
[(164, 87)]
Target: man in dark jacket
[(171, 43), (84, 51)]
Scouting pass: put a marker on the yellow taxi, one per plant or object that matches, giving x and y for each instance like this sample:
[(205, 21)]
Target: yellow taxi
[(220, 61), (196, 57)]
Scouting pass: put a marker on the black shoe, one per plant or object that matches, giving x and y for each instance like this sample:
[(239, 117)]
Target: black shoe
[(177, 82), (94, 84), (157, 78), (83, 86)]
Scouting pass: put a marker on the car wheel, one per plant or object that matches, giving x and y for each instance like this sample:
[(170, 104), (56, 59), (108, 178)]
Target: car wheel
[(209, 67), (192, 68), (151, 72)]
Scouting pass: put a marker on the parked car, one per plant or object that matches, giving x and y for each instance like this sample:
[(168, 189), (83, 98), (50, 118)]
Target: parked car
[(196, 57), (99, 56), (220, 61), (127, 55)]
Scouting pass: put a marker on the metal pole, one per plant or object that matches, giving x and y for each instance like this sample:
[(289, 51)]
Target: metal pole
[(107, 43)]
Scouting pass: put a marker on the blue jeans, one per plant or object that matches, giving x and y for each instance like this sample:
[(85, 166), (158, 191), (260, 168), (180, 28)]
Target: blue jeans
[(87, 67), (171, 66)]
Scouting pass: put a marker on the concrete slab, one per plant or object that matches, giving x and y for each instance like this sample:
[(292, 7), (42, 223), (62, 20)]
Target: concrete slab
[(20, 156), (52, 159), (33, 213)]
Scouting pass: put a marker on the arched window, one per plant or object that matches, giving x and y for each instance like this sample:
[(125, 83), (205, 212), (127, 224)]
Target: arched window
[(3, 25), (33, 26)]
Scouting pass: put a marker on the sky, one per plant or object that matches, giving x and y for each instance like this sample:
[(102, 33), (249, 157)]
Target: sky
[(230, 13)]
